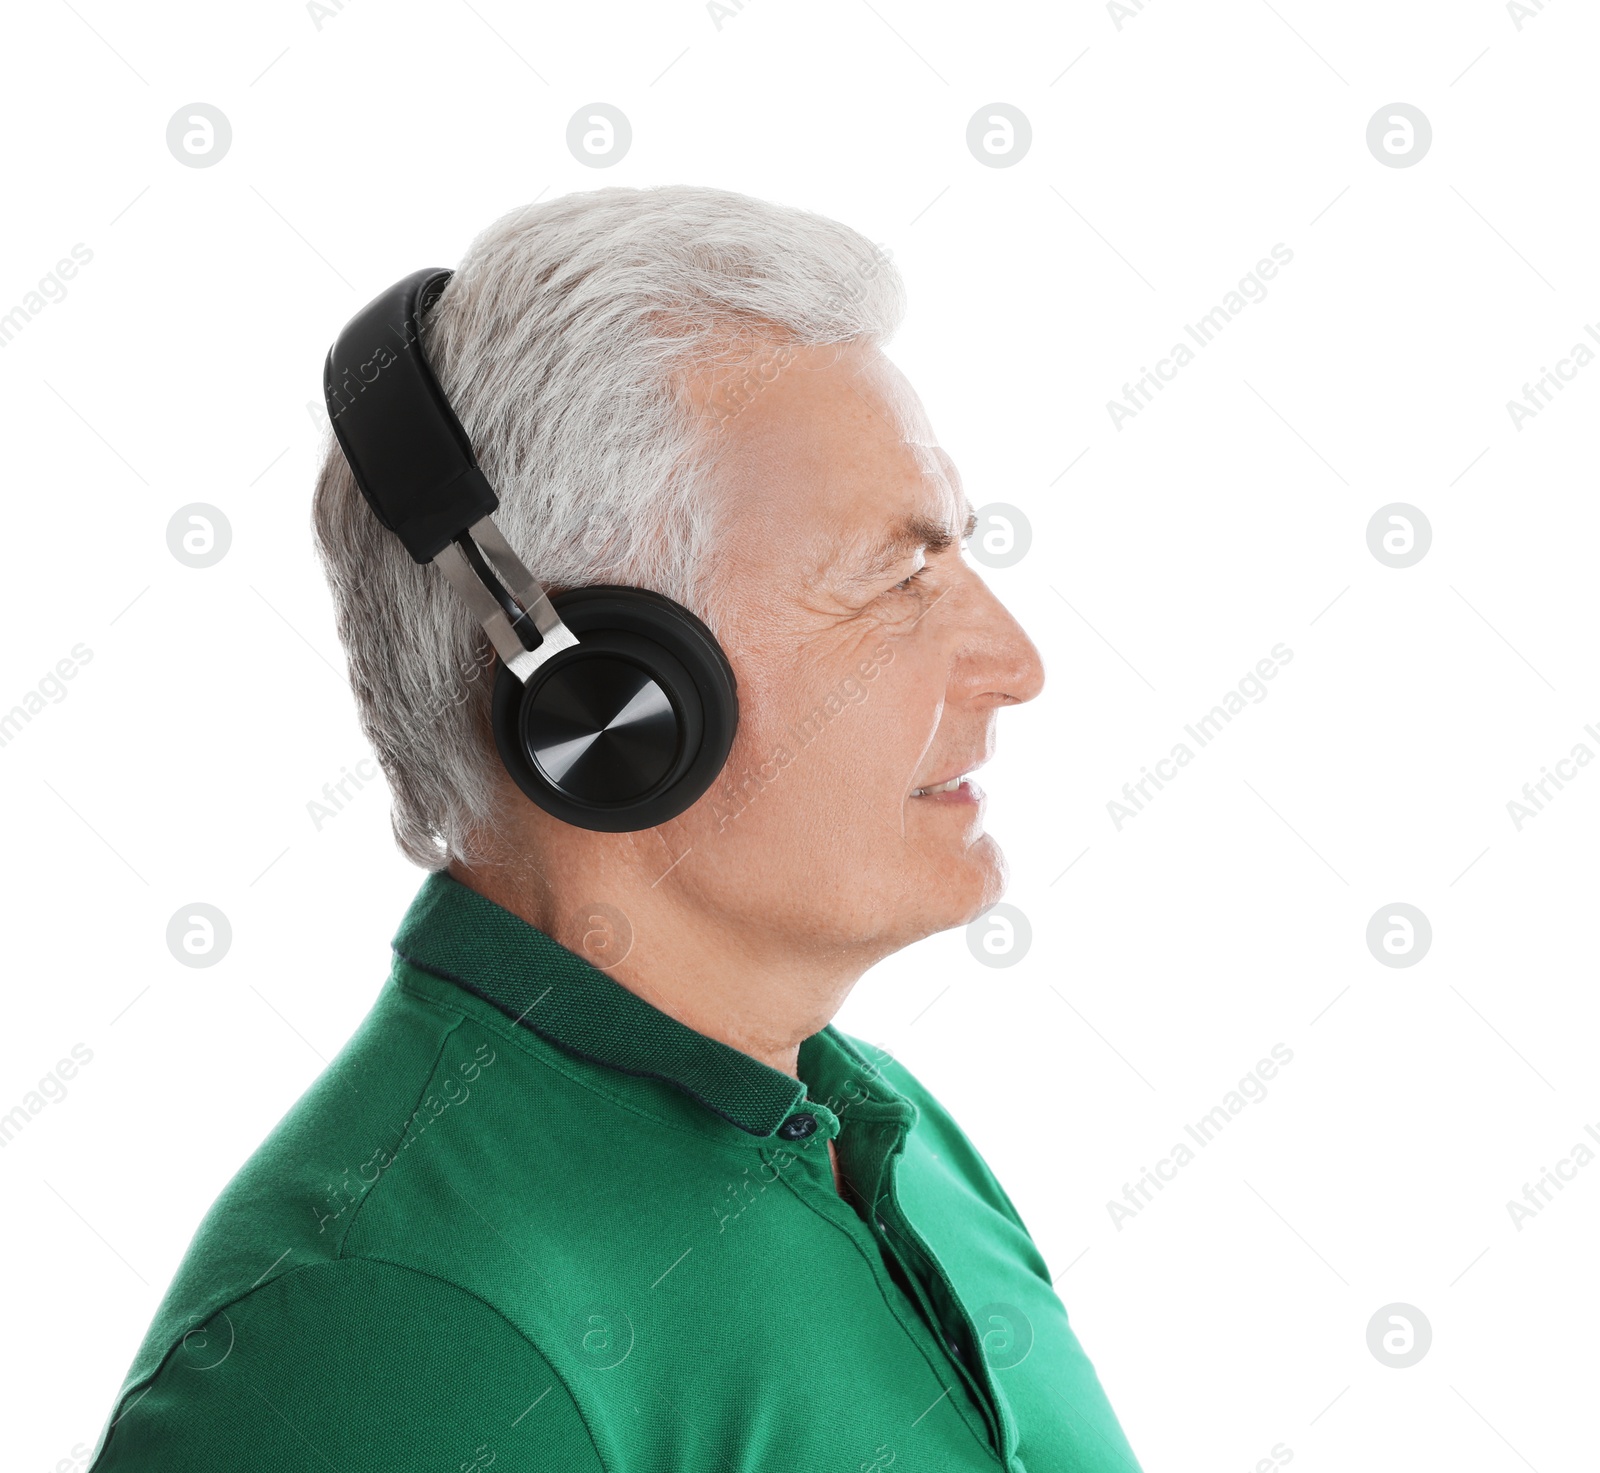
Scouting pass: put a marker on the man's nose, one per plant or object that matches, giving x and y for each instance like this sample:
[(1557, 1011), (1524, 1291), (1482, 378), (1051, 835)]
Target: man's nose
[(998, 658)]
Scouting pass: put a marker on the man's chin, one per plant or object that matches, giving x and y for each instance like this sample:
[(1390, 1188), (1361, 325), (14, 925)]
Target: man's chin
[(995, 874), (976, 881)]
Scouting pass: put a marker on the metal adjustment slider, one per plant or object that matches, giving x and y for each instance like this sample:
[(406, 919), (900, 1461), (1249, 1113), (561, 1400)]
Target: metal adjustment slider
[(504, 611)]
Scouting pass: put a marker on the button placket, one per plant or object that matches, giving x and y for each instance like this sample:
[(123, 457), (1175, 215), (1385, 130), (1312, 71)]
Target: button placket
[(867, 1142), (899, 1242), (978, 1376)]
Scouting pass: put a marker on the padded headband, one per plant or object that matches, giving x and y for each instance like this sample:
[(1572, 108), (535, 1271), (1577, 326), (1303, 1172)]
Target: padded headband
[(411, 458)]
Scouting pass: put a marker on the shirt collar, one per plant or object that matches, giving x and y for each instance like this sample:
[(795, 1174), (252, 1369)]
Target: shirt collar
[(454, 932)]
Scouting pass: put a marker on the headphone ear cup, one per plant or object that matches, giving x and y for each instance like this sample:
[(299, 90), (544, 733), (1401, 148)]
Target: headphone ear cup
[(627, 729)]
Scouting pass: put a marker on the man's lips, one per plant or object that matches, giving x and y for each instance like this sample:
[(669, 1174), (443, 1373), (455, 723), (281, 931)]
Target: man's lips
[(958, 790), (954, 786)]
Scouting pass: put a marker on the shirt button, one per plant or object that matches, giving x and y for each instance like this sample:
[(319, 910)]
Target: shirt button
[(798, 1127)]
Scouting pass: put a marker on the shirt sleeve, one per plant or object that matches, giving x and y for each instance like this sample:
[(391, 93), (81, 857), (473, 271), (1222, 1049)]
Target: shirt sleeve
[(348, 1365)]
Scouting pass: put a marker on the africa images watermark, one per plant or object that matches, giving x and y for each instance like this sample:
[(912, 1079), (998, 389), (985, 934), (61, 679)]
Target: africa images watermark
[(739, 1196), (722, 11), (734, 795), (51, 287), (1536, 794), (1136, 796), (1251, 1089), (1538, 1195), (1252, 287), (1124, 10), (1521, 10), (51, 1090), (734, 388), (434, 1103), (50, 687), (337, 796), (1542, 391), (320, 11), (406, 336)]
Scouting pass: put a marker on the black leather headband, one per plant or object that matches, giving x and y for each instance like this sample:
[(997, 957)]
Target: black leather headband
[(411, 458)]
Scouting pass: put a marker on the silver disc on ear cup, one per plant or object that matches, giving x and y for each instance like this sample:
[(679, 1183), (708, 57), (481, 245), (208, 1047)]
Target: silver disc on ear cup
[(601, 730)]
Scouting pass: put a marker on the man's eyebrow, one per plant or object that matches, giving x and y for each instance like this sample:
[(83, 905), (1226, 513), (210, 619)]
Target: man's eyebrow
[(910, 533)]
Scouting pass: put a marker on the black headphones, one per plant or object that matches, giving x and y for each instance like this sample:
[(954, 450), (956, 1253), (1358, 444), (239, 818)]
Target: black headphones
[(614, 708)]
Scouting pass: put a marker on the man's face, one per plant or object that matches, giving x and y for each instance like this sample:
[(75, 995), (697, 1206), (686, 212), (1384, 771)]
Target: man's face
[(871, 661)]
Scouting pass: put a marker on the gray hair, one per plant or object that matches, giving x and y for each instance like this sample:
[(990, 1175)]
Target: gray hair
[(565, 342)]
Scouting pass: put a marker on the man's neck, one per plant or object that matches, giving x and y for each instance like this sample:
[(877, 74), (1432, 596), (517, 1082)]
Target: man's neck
[(758, 993)]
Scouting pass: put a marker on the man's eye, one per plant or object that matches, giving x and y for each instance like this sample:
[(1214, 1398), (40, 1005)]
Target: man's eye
[(906, 583)]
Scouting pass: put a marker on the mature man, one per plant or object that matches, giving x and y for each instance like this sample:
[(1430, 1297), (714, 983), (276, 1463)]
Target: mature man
[(596, 1185)]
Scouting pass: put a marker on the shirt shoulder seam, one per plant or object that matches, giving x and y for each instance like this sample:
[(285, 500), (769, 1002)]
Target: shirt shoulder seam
[(416, 1104)]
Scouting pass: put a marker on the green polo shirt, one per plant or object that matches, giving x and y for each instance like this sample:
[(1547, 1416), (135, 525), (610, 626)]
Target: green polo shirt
[(527, 1220)]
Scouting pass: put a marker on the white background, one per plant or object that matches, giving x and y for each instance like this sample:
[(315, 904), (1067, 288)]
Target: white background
[(1168, 156)]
